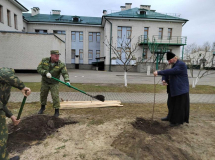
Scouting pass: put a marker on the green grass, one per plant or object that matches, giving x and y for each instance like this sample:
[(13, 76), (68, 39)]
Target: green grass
[(132, 88)]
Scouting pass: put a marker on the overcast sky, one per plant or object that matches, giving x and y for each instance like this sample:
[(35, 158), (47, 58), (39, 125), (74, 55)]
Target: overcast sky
[(200, 13)]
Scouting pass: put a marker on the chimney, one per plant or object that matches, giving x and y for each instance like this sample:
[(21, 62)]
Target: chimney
[(147, 7), (35, 11), (128, 5), (123, 8), (104, 12), (56, 12)]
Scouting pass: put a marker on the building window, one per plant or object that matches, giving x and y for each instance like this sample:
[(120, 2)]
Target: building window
[(81, 54), (8, 18), (119, 51), (119, 32), (128, 32), (73, 53), (146, 32), (1, 13), (160, 36), (15, 21), (90, 36), (90, 54), (97, 53), (59, 32), (169, 33), (80, 36), (40, 31), (145, 53), (98, 37), (73, 36)]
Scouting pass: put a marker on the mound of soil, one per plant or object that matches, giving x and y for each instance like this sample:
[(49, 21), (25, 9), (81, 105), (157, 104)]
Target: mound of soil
[(33, 129), (149, 140), (149, 126)]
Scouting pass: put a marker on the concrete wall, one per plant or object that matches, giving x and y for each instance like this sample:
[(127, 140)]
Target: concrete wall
[(7, 5), (25, 51)]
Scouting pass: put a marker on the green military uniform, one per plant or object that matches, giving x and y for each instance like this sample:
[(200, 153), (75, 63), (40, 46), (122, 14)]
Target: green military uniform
[(55, 69), (7, 80)]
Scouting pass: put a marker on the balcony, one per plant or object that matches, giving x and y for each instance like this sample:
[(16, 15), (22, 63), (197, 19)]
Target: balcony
[(174, 40)]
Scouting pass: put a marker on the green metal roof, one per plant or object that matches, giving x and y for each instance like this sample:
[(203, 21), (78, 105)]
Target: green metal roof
[(134, 13), (53, 18)]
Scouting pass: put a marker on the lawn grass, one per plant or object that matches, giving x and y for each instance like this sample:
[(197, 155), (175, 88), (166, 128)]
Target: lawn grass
[(132, 88)]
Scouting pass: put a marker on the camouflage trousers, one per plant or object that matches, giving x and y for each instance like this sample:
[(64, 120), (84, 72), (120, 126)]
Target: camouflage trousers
[(44, 91), (3, 136)]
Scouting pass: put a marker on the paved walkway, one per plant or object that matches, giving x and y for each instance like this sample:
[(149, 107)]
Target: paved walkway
[(123, 97), (91, 76)]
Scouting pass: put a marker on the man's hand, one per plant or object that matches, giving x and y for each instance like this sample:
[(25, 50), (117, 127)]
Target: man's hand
[(14, 120), (26, 91), (68, 83), (164, 83), (155, 73), (48, 75)]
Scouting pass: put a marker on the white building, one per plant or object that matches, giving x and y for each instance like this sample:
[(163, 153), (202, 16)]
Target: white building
[(84, 36)]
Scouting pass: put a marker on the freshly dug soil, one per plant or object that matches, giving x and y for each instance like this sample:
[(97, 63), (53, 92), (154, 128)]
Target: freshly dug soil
[(150, 140), (33, 129)]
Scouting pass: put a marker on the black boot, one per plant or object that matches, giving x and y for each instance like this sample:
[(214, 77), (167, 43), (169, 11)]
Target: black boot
[(42, 109), (15, 158), (56, 114)]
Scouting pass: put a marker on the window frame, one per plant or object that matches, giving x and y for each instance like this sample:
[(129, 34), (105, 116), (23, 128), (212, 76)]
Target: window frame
[(98, 36), (81, 35), (74, 36), (145, 52), (8, 17), (1, 13), (59, 31), (15, 22), (90, 52), (73, 53), (90, 35), (119, 29), (169, 34), (44, 31), (97, 53), (128, 37), (160, 33), (146, 29), (81, 51)]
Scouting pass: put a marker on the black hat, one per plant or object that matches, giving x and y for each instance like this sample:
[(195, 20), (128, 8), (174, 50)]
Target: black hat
[(169, 55)]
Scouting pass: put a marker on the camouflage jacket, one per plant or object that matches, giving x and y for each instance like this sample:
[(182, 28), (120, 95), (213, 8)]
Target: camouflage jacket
[(8, 80), (56, 70)]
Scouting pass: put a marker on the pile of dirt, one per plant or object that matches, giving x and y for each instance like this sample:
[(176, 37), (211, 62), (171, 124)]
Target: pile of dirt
[(33, 129), (149, 140), (149, 126)]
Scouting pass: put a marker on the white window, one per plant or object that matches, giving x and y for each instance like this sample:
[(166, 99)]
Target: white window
[(40, 31), (98, 37), (97, 53), (128, 32), (90, 36), (59, 32), (119, 32), (80, 36)]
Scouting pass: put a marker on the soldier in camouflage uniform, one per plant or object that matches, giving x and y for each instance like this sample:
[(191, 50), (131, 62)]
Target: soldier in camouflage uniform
[(8, 80), (51, 67)]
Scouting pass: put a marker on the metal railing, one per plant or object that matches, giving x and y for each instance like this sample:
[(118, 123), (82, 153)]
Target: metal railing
[(171, 40)]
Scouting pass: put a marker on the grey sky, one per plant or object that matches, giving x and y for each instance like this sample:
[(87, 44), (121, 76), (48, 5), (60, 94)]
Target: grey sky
[(200, 13)]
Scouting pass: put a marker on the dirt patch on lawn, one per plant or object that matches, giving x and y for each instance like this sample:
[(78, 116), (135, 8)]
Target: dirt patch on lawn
[(32, 130), (150, 139)]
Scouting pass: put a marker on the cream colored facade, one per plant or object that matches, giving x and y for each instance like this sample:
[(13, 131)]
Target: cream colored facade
[(9, 10)]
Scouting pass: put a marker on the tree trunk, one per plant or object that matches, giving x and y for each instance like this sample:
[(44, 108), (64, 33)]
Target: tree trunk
[(125, 78), (195, 81)]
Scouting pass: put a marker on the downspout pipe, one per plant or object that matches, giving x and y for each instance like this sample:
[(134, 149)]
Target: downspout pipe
[(110, 42)]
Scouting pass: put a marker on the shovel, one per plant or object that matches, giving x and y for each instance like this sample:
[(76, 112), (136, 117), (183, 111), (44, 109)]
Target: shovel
[(98, 97), (21, 108)]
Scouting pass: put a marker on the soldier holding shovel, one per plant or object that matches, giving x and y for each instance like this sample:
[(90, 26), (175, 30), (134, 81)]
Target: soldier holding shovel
[(8, 80)]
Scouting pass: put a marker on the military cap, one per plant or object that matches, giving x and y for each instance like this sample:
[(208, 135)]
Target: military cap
[(55, 52)]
